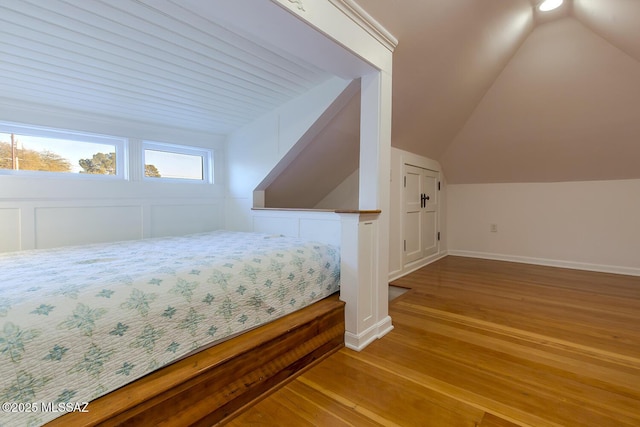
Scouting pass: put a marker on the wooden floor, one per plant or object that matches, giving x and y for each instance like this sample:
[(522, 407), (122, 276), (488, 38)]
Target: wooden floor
[(482, 343)]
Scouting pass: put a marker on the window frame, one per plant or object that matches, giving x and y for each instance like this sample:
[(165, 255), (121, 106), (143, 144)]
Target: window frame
[(119, 143), (205, 154)]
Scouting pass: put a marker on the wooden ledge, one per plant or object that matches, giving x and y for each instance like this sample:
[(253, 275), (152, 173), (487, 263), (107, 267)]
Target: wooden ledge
[(339, 211), (293, 209), (364, 212)]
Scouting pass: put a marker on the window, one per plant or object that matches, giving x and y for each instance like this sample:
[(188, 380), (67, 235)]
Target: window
[(177, 162), (27, 150), (35, 150)]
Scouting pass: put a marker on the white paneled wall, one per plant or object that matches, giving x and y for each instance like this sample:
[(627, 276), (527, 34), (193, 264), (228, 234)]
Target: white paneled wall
[(50, 211), (9, 229), (172, 220), (51, 223), (72, 225)]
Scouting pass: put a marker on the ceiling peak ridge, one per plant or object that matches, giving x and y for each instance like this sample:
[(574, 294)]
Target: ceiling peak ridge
[(565, 9)]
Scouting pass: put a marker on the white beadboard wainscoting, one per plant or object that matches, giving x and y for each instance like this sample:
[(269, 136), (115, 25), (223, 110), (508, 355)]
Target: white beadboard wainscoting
[(46, 224)]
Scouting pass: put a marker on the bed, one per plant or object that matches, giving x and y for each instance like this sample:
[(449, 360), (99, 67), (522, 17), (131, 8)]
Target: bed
[(81, 322)]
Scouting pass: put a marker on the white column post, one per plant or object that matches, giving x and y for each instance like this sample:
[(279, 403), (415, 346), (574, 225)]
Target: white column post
[(375, 176)]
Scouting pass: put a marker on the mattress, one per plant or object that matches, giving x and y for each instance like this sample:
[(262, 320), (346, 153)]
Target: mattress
[(79, 322)]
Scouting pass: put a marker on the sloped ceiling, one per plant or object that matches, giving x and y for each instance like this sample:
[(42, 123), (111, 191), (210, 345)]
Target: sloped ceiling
[(448, 55), (566, 108), (490, 89), (497, 93), (162, 62)]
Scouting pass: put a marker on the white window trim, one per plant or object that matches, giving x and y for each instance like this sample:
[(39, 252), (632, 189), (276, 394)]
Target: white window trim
[(204, 153), (120, 144)]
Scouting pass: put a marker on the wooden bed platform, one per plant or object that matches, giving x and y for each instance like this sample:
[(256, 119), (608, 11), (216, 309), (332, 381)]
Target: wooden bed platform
[(211, 386)]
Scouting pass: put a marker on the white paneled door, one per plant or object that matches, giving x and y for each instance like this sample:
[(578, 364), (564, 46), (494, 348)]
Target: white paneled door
[(420, 200)]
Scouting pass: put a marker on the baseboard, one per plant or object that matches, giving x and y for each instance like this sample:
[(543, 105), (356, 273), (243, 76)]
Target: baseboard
[(629, 271), (363, 339), (384, 326), (410, 268)]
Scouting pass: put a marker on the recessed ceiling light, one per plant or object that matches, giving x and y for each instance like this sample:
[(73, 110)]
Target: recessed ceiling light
[(548, 5)]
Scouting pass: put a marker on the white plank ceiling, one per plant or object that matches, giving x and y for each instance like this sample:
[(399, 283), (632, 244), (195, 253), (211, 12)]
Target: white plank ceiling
[(150, 61)]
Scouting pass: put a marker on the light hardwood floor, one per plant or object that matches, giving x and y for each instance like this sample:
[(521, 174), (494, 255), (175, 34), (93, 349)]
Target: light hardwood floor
[(482, 344)]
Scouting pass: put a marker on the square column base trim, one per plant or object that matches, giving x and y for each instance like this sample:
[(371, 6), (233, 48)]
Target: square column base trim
[(366, 337)]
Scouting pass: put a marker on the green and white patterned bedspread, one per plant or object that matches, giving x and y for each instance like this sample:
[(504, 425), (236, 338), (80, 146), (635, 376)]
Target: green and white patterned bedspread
[(78, 322)]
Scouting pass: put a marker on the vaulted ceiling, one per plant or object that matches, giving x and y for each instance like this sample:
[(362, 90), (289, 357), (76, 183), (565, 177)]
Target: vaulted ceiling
[(497, 92), (491, 89)]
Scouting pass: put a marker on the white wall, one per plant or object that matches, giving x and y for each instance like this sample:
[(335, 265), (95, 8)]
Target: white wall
[(39, 212), (592, 225), (255, 149), (344, 196)]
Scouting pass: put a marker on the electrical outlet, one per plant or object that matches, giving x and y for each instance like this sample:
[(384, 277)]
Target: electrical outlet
[(494, 228)]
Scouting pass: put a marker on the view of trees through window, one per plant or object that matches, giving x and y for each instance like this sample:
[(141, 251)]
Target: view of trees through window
[(173, 164), (46, 152), (34, 153)]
